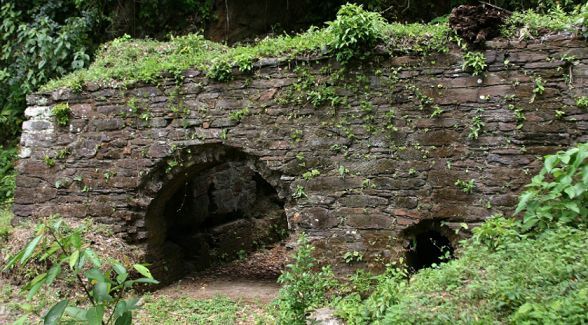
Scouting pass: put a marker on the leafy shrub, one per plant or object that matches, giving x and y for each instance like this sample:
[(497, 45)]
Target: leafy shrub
[(417, 38), (105, 286), (303, 288), (496, 231), (386, 293), (559, 194), (221, 70), (355, 31)]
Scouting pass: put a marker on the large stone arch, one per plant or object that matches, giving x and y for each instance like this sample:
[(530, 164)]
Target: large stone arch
[(192, 221)]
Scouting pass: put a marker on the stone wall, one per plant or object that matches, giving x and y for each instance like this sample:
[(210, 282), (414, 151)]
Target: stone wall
[(386, 158)]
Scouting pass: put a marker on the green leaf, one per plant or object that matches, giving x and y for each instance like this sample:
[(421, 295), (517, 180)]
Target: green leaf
[(121, 308), (550, 162), (77, 313), (132, 303), (572, 206), (95, 314), (129, 284), (525, 197), (22, 320), (119, 269), (12, 261), (54, 314), (143, 270), (53, 248), (57, 225), (30, 248), (73, 259), (53, 273), (124, 319), (95, 274), (93, 258), (76, 240), (100, 292), (34, 289)]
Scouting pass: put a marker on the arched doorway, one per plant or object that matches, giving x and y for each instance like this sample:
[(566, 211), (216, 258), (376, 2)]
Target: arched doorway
[(429, 243), (215, 205)]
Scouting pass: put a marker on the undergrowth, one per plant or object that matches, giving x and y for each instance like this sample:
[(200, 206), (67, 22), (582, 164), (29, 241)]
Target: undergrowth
[(522, 271)]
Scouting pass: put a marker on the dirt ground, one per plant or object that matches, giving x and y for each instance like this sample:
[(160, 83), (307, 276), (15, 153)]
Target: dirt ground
[(244, 290)]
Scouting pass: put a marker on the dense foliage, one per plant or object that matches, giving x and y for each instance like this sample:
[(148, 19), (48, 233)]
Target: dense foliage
[(529, 271), (7, 183), (37, 45)]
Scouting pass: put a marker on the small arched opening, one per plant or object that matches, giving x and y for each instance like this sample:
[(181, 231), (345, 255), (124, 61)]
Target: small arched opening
[(214, 206), (428, 243)]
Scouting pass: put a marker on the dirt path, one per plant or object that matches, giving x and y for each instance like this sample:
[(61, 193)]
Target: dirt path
[(251, 280), (244, 290)]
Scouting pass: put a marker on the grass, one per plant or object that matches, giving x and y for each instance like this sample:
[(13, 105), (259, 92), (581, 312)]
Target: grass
[(5, 218), (186, 310)]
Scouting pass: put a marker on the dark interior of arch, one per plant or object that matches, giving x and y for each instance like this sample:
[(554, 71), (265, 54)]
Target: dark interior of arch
[(213, 213), (428, 245)]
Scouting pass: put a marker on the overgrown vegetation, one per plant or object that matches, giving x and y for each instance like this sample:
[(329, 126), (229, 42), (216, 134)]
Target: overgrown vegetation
[(67, 257), (352, 34), (529, 271), (303, 288), (533, 23), (474, 62), (62, 113)]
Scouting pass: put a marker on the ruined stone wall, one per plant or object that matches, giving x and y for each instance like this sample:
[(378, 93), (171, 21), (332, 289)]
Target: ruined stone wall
[(387, 157)]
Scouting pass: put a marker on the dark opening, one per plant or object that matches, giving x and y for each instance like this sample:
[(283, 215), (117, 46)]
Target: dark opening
[(215, 215), (428, 245)]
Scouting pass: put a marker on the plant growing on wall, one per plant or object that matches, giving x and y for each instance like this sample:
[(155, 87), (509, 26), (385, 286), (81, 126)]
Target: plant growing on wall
[(466, 186), (105, 286), (354, 31), (62, 113), (582, 102), (476, 127), (474, 62)]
